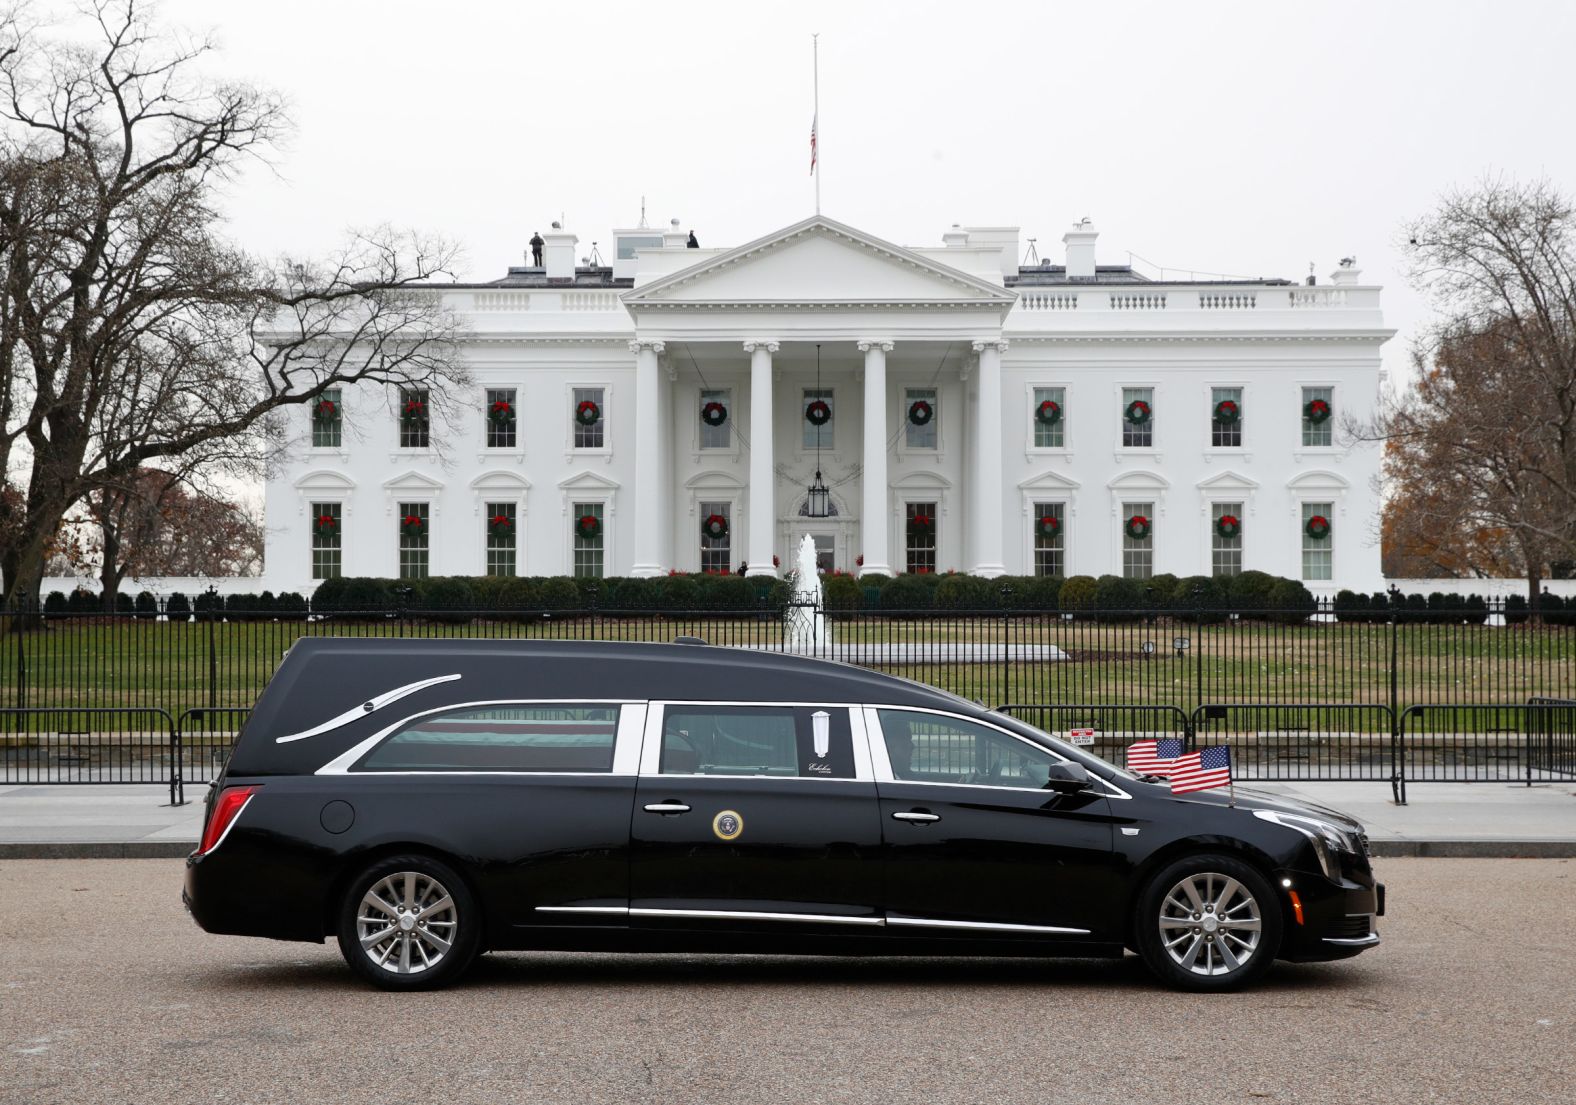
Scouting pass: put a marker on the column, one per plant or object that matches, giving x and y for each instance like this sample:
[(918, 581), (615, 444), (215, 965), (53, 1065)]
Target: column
[(874, 521), (763, 475), (651, 491), (986, 521)]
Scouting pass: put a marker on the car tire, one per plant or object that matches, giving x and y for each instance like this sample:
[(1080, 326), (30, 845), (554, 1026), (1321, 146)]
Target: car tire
[(1208, 922), (409, 922)]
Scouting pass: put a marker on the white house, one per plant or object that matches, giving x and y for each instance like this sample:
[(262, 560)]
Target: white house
[(980, 415)]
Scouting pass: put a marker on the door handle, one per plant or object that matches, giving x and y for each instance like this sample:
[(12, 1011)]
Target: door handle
[(667, 807), (919, 816)]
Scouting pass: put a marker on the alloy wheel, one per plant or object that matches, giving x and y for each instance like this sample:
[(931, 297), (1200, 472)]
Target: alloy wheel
[(1210, 924), (406, 923)]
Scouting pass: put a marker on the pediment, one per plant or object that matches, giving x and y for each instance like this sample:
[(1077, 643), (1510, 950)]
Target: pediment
[(1141, 480), (713, 480), (1049, 480), (500, 479), (1320, 479), (1228, 481), (588, 481), (820, 262), (412, 480), (324, 479), (922, 481)]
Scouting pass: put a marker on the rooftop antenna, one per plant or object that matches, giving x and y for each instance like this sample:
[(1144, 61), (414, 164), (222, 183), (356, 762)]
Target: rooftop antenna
[(1033, 256), (643, 225), (596, 256)]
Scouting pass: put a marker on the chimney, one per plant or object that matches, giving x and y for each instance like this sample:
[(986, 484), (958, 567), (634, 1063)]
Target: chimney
[(559, 253), (1348, 273), (956, 237), (674, 236), (1080, 250)]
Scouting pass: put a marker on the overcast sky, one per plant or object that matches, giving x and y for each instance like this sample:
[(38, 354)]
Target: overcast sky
[(1246, 139)]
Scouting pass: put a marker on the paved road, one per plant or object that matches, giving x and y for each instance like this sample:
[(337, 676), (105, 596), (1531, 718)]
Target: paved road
[(108, 993)]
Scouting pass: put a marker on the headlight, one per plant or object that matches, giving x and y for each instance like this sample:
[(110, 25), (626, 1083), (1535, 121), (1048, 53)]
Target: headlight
[(1329, 840)]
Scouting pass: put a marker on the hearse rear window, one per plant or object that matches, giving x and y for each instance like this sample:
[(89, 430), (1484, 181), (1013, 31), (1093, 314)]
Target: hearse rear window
[(502, 738), (757, 740)]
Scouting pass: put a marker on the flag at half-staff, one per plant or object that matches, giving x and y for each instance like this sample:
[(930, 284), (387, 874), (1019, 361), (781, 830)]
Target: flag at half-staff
[(1202, 770), (1153, 757)]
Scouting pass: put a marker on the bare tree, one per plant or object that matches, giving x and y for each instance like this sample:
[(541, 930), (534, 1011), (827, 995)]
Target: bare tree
[(1481, 452), (161, 526), (131, 332)]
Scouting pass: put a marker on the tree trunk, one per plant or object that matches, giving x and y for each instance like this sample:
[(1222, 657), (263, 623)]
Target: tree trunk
[(109, 574), (1534, 591)]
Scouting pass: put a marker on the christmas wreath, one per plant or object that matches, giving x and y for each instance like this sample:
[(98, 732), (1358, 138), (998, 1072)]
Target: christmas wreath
[(921, 525), (1227, 412), (1048, 526), (588, 527), (714, 413), (1318, 527), (326, 525), (920, 412), (1048, 413), (1316, 411), (413, 413), (1137, 527), (588, 413), (501, 413), (413, 525), (818, 413), (1137, 412), (1228, 526), (715, 526), (325, 411), (501, 526)]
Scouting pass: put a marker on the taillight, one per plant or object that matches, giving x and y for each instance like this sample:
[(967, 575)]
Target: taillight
[(226, 808)]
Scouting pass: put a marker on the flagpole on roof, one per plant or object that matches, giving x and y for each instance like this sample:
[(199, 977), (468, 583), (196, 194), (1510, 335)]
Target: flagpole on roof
[(815, 120)]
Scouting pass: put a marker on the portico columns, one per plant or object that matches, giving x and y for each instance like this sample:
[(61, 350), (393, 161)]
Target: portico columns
[(651, 490), (874, 524), (985, 519), (763, 475)]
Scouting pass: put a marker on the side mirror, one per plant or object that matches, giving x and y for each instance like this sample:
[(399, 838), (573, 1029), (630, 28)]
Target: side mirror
[(1068, 778)]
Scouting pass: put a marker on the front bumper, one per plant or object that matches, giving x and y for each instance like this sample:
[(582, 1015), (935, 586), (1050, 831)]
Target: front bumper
[(1338, 919)]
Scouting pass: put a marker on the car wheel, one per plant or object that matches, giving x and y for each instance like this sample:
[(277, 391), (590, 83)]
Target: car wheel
[(1208, 922), (408, 923)]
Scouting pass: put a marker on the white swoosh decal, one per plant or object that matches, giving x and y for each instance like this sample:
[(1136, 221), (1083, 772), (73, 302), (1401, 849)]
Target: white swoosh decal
[(370, 706)]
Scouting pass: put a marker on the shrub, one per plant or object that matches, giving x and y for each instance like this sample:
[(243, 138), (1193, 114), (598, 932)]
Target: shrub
[(1351, 607), (1516, 611), (448, 599), (82, 602), (1077, 595), (55, 605), (267, 604), (208, 606), (124, 603), (678, 593), (1414, 608), (488, 591), (240, 607), (1476, 610), (960, 592), (1248, 593), (520, 597), (1117, 598), (365, 595), (906, 593), (177, 608), (146, 606), (329, 596), (731, 593), (290, 606), (1044, 593), (559, 593), (844, 594), (1291, 603), (589, 589), (1158, 591), (1554, 610), (1198, 598), (1379, 607)]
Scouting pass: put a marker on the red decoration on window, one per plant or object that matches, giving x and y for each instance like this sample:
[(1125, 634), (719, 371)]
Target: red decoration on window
[(325, 411), (501, 413), (1318, 527), (501, 525), (1228, 526), (818, 413), (587, 413), (413, 525), (1048, 413), (1048, 526), (714, 413), (1138, 412), (1228, 412), (1138, 527), (325, 525), (920, 412), (414, 412), (588, 527), (921, 525), (1316, 411), (715, 526)]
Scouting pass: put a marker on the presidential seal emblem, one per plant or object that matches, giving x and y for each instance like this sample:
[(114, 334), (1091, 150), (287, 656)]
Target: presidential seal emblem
[(727, 825)]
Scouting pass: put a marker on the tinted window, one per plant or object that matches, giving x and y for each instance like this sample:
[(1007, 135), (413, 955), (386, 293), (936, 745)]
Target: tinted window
[(756, 740), (502, 738), (934, 748)]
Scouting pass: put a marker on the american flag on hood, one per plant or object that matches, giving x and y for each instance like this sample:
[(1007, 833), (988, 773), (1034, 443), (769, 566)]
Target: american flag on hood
[(1201, 770), (1153, 757)]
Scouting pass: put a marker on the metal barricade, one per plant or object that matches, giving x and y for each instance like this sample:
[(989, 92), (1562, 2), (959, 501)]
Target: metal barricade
[(205, 736), (1459, 742), (89, 744), (1104, 729), (1304, 742), (1551, 737)]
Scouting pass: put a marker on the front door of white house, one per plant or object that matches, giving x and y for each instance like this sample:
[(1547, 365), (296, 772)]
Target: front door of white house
[(829, 542)]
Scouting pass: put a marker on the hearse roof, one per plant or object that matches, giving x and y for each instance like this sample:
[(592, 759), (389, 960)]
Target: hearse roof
[(323, 678)]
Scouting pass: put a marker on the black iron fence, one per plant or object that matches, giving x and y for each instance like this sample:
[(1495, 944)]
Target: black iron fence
[(1300, 694)]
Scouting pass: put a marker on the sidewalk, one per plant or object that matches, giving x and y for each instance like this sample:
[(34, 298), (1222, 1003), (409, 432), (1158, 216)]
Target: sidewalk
[(1442, 819)]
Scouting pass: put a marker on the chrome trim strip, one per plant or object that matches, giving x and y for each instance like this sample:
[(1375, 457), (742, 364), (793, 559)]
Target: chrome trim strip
[(371, 706), (749, 915), (981, 926), (620, 910), (1354, 942)]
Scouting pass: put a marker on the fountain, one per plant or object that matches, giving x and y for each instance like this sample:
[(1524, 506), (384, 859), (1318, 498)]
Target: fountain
[(807, 630)]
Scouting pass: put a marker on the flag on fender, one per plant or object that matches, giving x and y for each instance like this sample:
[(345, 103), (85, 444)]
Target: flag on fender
[(1202, 770), (1154, 757)]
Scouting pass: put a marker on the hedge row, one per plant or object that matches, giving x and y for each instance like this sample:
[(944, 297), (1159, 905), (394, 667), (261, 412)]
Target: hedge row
[(267, 606), (1440, 606)]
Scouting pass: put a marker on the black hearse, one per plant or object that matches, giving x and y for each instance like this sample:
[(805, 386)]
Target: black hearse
[(424, 800)]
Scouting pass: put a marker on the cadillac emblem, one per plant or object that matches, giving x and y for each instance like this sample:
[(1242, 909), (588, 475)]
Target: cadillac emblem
[(727, 825)]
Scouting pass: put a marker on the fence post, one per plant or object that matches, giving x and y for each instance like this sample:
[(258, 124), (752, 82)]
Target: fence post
[(213, 651), (21, 668), (1198, 646), (1006, 644), (1397, 756), (177, 765)]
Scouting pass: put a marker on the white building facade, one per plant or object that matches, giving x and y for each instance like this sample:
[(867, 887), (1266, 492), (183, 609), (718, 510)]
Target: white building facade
[(964, 413)]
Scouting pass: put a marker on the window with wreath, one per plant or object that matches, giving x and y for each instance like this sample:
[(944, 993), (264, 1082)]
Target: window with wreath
[(589, 539), (328, 420), (1225, 418), (590, 415), (1318, 558), (415, 421), (716, 418), (920, 538), (1050, 418), (414, 540), (1138, 418), (1050, 539), (818, 410), (327, 540), (502, 538), (716, 537), (919, 418), (1225, 539), (501, 417), (1318, 417), (1138, 540)]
